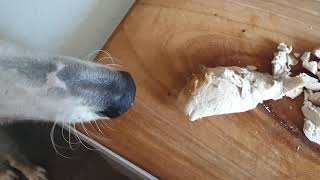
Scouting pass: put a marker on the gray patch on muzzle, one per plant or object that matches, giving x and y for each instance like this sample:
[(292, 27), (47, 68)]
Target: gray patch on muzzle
[(35, 72)]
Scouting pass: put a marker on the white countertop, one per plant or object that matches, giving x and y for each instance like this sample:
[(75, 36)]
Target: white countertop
[(68, 27)]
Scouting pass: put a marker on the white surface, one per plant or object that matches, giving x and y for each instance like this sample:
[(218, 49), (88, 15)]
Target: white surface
[(68, 27)]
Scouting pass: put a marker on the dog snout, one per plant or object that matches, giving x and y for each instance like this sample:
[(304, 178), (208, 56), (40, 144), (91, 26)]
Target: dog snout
[(123, 96)]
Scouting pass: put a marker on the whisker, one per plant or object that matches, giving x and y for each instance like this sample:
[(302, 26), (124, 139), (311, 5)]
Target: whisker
[(113, 64), (52, 134), (83, 144), (68, 140), (76, 134), (72, 143), (104, 124), (54, 144), (98, 127), (100, 132), (62, 134), (108, 55), (92, 134)]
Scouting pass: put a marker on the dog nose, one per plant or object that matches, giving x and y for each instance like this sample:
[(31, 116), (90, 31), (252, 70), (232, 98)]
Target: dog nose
[(123, 96)]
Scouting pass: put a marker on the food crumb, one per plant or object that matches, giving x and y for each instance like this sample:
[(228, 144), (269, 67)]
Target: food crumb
[(290, 107), (251, 68), (297, 55), (266, 107), (298, 147), (316, 52), (305, 56)]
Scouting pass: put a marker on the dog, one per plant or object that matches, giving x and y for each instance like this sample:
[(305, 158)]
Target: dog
[(40, 86)]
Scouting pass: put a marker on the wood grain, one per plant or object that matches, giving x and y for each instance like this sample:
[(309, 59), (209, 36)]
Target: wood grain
[(162, 42)]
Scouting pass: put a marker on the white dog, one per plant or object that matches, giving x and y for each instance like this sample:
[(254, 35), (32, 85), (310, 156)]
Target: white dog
[(44, 87)]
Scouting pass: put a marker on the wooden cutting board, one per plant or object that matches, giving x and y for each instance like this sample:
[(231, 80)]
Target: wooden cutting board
[(162, 42)]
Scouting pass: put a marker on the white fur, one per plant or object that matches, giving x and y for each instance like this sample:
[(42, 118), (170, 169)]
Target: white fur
[(21, 100), (52, 79)]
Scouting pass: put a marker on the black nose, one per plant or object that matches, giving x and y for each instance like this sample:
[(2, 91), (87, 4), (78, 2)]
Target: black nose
[(123, 96)]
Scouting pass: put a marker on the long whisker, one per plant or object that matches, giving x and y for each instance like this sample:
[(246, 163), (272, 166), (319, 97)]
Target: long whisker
[(98, 127), (106, 54), (113, 64), (109, 55), (100, 132), (76, 132), (92, 134), (67, 141), (52, 136), (104, 124), (69, 136), (83, 144), (54, 144)]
